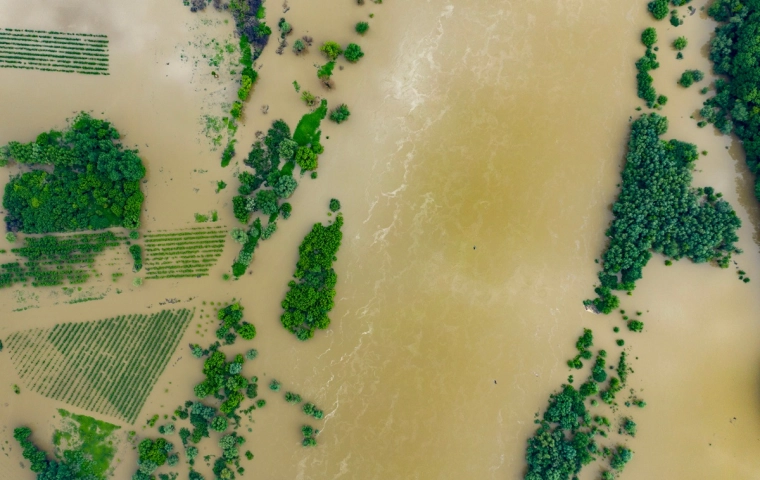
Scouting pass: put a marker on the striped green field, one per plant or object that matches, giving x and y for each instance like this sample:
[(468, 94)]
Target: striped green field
[(183, 253), (54, 51), (106, 366)]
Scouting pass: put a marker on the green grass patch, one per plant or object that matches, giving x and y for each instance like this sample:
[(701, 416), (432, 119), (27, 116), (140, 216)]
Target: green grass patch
[(307, 131)]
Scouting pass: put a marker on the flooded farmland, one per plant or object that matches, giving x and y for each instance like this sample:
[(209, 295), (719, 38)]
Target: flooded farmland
[(476, 175)]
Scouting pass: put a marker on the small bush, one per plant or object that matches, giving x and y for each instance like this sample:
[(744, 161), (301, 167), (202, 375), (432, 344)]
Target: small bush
[(353, 53), (298, 46), (635, 325), (658, 8), (334, 204), (332, 50), (362, 27), (680, 43), (340, 114)]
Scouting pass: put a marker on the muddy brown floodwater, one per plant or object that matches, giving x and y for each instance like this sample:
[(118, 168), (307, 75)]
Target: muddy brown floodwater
[(476, 174)]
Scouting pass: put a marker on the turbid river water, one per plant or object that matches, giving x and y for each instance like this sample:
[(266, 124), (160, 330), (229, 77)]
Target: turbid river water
[(476, 174)]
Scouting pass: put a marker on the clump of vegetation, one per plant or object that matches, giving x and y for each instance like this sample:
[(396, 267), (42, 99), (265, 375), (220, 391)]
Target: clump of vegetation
[(184, 253), (340, 113), (308, 436), (680, 43), (91, 166), (644, 80), (628, 427), (658, 8), (583, 344), (334, 205), (674, 20), (291, 397), (689, 77), (136, 252), (325, 72), (353, 53), (635, 325), (311, 295), (313, 411), (10, 237), (657, 210), (274, 385), (649, 37), (332, 50), (619, 459), (299, 47), (361, 28)]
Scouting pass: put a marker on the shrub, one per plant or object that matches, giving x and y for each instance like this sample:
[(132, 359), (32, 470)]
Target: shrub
[(689, 77), (662, 100), (680, 43), (10, 237), (308, 98), (340, 114), (332, 50), (274, 385), (353, 53), (325, 71), (635, 325), (298, 46), (361, 28), (649, 37), (134, 235), (334, 204)]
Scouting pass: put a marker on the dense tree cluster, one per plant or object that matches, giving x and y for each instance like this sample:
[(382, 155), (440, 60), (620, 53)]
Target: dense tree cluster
[(657, 210), (151, 455), (583, 344), (95, 182), (658, 8), (311, 295), (735, 53), (689, 77)]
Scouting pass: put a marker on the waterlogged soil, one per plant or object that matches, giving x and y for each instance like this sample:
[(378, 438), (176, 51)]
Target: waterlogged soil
[(476, 174)]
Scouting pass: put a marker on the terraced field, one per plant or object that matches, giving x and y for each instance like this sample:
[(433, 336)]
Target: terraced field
[(105, 366), (54, 51), (183, 253)]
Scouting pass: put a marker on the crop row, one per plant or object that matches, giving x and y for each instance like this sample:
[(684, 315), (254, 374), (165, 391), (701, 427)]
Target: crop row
[(66, 38), (33, 47), (107, 366), (53, 62), (53, 32), (43, 69), (45, 54)]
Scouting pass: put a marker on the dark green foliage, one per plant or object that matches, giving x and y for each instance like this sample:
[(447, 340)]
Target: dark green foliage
[(291, 397), (362, 27), (649, 37), (340, 114), (689, 77), (312, 411), (658, 8), (598, 373), (635, 325), (310, 298), (136, 252), (229, 151), (623, 368), (95, 183), (657, 210), (680, 43), (734, 52), (334, 204), (621, 456), (628, 426), (662, 100), (563, 443), (353, 53), (274, 385), (674, 20), (644, 80)]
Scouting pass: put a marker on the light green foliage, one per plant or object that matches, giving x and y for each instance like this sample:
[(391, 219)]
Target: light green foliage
[(680, 43), (95, 184), (251, 354), (10, 237), (658, 211), (311, 295), (332, 50), (85, 444), (307, 131), (340, 114), (111, 377), (285, 186), (266, 202), (353, 53), (308, 98), (134, 235), (361, 28), (649, 37), (219, 424), (325, 71), (306, 158), (239, 235)]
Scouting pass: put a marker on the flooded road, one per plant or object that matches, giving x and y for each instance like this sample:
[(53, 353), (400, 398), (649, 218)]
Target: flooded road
[(476, 174)]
